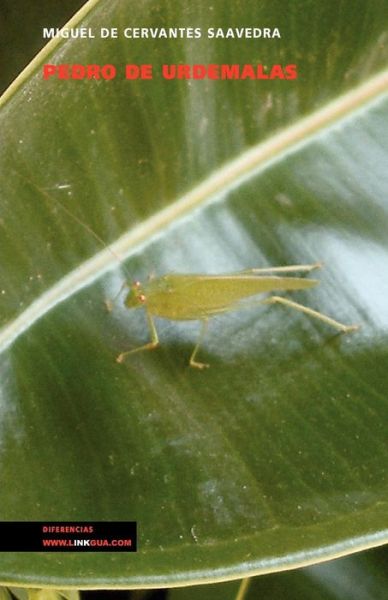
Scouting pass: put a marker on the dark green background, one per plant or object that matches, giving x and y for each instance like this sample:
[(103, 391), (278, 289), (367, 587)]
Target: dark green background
[(21, 26)]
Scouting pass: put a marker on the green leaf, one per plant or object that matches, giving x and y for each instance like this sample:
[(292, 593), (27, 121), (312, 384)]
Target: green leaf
[(274, 457), (43, 594), (5, 594), (361, 576)]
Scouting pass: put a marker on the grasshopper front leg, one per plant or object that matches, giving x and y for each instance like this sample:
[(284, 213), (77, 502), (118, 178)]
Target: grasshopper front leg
[(110, 303), (149, 346)]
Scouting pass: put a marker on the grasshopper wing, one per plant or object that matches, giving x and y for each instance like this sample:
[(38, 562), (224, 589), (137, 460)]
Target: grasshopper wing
[(186, 297)]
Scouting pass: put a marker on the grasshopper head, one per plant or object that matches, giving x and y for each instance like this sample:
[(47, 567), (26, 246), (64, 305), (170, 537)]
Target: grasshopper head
[(135, 296)]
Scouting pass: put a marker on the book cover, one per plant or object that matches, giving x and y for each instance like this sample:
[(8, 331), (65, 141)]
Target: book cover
[(170, 175)]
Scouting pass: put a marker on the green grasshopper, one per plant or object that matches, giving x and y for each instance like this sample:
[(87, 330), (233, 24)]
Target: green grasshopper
[(181, 297)]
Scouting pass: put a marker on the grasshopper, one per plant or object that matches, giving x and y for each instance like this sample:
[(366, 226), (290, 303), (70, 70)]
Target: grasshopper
[(185, 297), (182, 297)]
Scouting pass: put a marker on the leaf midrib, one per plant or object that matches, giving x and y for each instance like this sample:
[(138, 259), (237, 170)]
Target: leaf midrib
[(217, 184)]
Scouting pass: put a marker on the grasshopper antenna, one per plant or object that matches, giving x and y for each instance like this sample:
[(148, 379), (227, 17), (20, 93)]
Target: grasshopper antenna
[(86, 227)]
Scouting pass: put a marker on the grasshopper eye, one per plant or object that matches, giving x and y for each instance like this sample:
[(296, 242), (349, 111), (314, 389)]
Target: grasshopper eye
[(141, 298)]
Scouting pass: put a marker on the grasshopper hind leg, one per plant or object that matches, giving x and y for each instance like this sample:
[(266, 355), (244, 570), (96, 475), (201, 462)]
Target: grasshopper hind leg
[(312, 313), (194, 363), (287, 269)]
